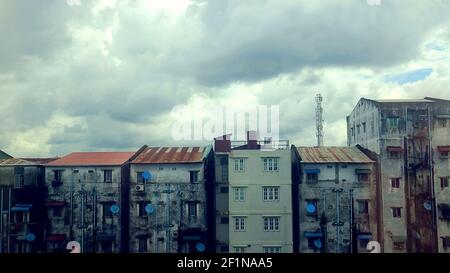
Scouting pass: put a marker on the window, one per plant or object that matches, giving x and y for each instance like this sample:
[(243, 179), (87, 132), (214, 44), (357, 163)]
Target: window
[(91, 175), (224, 167), (21, 217), (239, 194), (55, 247), (140, 177), (271, 223), (224, 220), (107, 176), (239, 164), (444, 182), (344, 166), (270, 164), (239, 249), (395, 183), (353, 131), (271, 193), (192, 209), (363, 206), (193, 176), (444, 154), (76, 171), (358, 129), (397, 212), (312, 177), (141, 208), (223, 189), (392, 123), (363, 177), (224, 248), (394, 155), (398, 245), (107, 246), (239, 223), (57, 178), (311, 206), (107, 213), (272, 249), (174, 169), (364, 127), (57, 212), (446, 242), (330, 166), (142, 244), (363, 243)]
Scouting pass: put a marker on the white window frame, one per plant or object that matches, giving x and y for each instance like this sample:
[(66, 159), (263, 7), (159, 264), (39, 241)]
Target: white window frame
[(239, 249), (271, 164), (271, 193), (239, 194), (239, 223), (272, 249), (271, 223), (239, 164)]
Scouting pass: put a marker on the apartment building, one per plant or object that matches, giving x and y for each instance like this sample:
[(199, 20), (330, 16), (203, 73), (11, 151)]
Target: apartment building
[(408, 139), (22, 194), (85, 202), (337, 200), (171, 200), (259, 195)]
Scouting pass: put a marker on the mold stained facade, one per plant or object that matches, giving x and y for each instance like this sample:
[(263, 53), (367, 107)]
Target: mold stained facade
[(338, 208), (22, 193), (82, 189), (176, 192), (406, 137)]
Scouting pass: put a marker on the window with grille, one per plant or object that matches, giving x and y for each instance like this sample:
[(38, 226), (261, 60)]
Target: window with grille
[(271, 223), (271, 193), (239, 223), (270, 164)]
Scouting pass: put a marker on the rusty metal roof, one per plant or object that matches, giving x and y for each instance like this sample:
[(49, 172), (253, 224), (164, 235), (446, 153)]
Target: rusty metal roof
[(15, 161), (332, 155), (92, 159), (170, 155)]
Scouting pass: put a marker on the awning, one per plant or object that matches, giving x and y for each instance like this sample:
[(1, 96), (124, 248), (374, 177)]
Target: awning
[(398, 239), (313, 234), (444, 149), (444, 206), (105, 238), (394, 149), (363, 171), (22, 207), (55, 204), (312, 171), (56, 237), (192, 238), (365, 236), (443, 116)]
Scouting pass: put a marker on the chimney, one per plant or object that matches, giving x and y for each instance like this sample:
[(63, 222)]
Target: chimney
[(252, 139), (222, 144)]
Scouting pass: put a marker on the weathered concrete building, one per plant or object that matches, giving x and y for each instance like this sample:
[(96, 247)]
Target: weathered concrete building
[(85, 201), (260, 197), (170, 200), (337, 208), (22, 193), (406, 138)]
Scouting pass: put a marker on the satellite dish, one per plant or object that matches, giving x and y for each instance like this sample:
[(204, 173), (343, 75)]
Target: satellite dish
[(200, 247), (149, 208), (30, 237), (146, 175), (318, 243), (114, 209), (427, 205), (310, 208)]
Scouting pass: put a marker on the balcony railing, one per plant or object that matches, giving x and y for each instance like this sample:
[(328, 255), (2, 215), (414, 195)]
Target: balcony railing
[(262, 144)]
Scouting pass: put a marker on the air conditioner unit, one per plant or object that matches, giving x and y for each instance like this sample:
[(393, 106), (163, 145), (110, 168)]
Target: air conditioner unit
[(139, 188)]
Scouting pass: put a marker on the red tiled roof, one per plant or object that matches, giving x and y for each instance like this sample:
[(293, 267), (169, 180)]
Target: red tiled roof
[(92, 158), (170, 155)]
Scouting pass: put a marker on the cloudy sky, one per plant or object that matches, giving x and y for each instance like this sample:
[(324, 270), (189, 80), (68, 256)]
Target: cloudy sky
[(79, 75)]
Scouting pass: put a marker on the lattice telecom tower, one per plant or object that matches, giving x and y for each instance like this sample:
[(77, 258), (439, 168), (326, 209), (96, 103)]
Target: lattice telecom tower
[(319, 120)]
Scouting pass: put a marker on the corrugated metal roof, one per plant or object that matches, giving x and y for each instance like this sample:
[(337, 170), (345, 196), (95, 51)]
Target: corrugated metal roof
[(332, 155), (92, 159), (15, 161), (41, 160), (402, 100), (170, 155)]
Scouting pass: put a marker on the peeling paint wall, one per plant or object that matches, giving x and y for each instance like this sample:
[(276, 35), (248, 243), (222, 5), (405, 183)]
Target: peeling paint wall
[(84, 192), (172, 227)]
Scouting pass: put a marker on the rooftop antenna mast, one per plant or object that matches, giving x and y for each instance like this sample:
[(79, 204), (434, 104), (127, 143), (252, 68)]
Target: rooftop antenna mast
[(319, 120)]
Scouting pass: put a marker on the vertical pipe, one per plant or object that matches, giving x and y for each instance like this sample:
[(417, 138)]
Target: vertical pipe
[(337, 224), (9, 218), (434, 232), (82, 221), (1, 220), (94, 222), (350, 207)]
